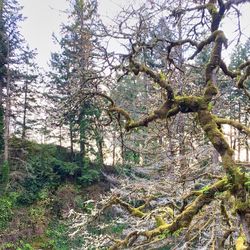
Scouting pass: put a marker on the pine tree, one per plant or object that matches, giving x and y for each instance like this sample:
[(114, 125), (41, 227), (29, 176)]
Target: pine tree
[(12, 55), (73, 74)]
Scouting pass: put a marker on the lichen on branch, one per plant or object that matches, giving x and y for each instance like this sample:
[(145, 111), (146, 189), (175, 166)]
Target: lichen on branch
[(180, 221)]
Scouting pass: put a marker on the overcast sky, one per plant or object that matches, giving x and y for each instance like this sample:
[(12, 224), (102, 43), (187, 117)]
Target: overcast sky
[(45, 16)]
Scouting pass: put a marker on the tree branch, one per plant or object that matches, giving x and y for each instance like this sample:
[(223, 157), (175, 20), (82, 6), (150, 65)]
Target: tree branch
[(182, 220), (158, 78), (233, 123)]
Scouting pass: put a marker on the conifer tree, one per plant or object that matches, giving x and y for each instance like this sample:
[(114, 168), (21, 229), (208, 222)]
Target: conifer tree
[(12, 55), (74, 74)]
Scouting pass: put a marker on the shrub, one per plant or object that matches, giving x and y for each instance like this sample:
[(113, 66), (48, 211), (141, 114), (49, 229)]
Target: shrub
[(6, 213), (5, 174), (88, 177)]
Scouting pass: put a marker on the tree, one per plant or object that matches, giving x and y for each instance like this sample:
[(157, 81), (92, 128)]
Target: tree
[(198, 18), (26, 96), (12, 55), (74, 74), (240, 102), (10, 41)]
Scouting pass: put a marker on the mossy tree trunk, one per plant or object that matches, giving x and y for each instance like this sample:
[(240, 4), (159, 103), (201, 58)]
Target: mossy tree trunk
[(236, 181)]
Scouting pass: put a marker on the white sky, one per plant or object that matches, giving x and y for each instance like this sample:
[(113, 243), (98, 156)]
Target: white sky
[(45, 16)]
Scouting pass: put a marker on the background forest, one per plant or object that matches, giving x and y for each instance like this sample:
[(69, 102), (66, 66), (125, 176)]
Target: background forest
[(137, 135)]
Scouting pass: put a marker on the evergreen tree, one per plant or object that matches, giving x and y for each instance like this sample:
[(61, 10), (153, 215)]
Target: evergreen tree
[(74, 74), (12, 56)]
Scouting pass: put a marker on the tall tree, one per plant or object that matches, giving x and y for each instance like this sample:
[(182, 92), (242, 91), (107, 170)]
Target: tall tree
[(75, 74), (12, 55)]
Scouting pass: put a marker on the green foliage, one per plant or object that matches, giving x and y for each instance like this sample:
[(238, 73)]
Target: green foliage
[(118, 228), (6, 211), (88, 207), (132, 157), (25, 246), (42, 189), (80, 203), (64, 169), (33, 191), (247, 183), (58, 238), (1, 128), (88, 177), (5, 173), (49, 167), (18, 246), (8, 245), (37, 213)]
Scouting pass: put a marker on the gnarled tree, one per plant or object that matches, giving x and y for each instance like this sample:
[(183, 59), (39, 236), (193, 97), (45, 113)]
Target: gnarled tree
[(199, 18)]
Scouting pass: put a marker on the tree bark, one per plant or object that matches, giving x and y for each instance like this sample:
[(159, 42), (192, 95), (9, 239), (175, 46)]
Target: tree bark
[(25, 110)]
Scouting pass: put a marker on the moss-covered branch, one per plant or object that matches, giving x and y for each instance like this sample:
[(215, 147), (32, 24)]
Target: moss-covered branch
[(240, 243), (184, 104), (241, 78), (216, 14), (203, 43), (237, 179), (182, 220), (233, 123), (157, 77), (228, 72), (133, 210)]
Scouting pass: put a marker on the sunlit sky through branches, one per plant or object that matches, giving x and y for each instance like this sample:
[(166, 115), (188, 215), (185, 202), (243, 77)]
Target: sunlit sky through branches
[(45, 17)]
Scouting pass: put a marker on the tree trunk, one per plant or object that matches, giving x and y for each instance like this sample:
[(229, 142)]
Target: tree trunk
[(114, 149), (25, 110), (237, 178), (71, 141), (7, 113), (82, 141), (181, 121), (246, 142), (239, 133)]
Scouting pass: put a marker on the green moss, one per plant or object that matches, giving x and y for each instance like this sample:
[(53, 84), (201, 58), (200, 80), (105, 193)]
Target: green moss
[(157, 231), (129, 124), (170, 212), (211, 129), (212, 9), (240, 243), (241, 206), (210, 106), (211, 90), (159, 221), (205, 190), (190, 103), (136, 212), (163, 77), (247, 184)]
